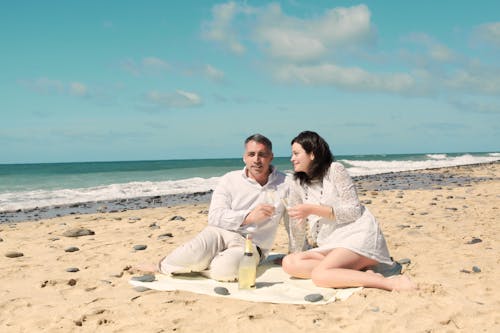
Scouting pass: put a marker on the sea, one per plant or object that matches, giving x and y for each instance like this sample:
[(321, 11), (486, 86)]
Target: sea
[(28, 186)]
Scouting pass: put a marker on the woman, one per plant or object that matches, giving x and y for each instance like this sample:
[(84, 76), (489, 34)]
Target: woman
[(346, 238)]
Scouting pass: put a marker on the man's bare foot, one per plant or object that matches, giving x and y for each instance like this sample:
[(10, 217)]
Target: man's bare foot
[(402, 282), (146, 268)]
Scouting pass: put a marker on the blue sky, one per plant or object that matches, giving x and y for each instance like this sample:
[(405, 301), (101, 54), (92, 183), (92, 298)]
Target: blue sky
[(142, 80)]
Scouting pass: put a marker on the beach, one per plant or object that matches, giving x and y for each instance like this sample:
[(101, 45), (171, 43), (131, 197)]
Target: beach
[(443, 221)]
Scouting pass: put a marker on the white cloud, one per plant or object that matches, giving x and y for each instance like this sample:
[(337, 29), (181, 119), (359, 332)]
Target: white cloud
[(352, 78), (179, 99), (434, 50), (213, 73), (297, 39), (489, 32), (475, 80), (78, 89), (221, 29), (49, 86), (288, 37), (154, 64), (147, 66)]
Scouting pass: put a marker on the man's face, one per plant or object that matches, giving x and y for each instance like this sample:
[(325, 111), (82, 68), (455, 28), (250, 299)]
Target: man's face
[(257, 159)]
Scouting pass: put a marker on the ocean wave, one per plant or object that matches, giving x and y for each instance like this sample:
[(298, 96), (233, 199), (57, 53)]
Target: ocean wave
[(43, 198), (437, 156), (361, 168)]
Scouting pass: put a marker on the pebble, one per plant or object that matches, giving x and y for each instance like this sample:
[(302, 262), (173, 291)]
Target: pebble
[(476, 269), (134, 218), (177, 218), (404, 261), (367, 202), (72, 270), (78, 232), (474, 241), (1, 239), (72, 282), (14, 254), (141, 289), (221, 291), (140, 247), (144, 278), (71, 249), (313, 297), (166, 235)]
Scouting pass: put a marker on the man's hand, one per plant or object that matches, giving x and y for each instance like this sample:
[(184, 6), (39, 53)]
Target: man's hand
[(259, 214)]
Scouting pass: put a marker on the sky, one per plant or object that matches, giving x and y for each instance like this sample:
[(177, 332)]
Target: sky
[(124, 80)]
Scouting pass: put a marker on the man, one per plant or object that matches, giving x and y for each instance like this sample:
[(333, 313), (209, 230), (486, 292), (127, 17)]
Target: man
[(238, 207)]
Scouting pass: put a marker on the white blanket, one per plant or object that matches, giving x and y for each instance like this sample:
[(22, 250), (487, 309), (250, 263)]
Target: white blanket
[(273, 285)]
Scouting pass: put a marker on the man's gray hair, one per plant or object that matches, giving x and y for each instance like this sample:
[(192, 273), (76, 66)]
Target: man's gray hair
[(259, 138)]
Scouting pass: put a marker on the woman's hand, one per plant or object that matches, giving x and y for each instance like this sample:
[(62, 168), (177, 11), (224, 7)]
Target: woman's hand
[(300, 211)]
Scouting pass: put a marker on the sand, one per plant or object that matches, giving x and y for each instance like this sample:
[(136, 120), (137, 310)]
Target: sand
[(449, 231)]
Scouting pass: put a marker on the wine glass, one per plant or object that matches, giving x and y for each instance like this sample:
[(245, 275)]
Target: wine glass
[(297, 227)]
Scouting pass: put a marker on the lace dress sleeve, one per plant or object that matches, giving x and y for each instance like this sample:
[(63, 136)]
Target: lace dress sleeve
[(347, 207)]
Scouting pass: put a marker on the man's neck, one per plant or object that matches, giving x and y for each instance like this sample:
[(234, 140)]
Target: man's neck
[(263, 179)]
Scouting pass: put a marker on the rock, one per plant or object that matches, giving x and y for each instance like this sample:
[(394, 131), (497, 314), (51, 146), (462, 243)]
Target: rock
[(367, 202), (221, 291), (166, 235), (71, 282), (140, 247), (144, 278), (141, 289), (313, 297), (78, 232), (1, 239), (474, 241), (72, 270), (71, 249), (14, 254), (404, 261), (177, 218), (476, 269)]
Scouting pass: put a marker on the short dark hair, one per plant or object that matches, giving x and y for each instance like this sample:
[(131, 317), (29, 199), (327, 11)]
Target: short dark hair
[(259, 138), (312, 142)]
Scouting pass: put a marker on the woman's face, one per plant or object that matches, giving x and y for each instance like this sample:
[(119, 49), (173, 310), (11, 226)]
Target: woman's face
[(301, 160)]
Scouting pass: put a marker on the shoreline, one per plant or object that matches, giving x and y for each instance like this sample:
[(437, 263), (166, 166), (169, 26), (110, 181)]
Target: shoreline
[(402, 180)]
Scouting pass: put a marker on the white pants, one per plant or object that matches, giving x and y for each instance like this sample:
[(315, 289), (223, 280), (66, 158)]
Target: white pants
[(214, 252)]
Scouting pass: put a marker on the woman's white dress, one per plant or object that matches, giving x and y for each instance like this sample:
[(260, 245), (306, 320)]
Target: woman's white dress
[(353, 227)]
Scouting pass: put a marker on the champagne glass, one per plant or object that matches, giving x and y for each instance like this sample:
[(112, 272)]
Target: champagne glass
[(297, 227)]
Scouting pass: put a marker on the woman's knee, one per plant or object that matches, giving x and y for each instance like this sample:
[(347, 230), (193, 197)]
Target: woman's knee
[(288, 264), (319, 277)]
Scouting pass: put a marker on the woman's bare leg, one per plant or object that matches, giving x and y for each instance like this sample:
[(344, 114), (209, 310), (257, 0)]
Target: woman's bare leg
[(301, 264), (341, 268)]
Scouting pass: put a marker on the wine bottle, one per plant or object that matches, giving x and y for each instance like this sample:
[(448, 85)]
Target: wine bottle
[(247, 269)]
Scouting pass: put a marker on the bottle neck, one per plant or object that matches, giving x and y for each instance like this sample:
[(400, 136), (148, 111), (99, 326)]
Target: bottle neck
[(248, 246)]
